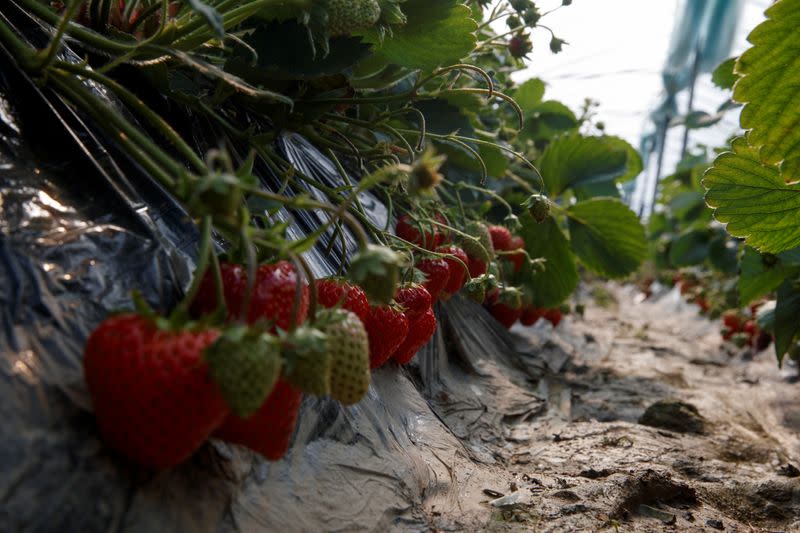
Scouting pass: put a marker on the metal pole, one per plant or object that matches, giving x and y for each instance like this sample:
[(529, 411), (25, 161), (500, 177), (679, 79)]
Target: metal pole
[(662, 142), (690, 106)]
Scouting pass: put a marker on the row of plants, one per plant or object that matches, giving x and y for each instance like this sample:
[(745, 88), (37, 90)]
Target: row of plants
[(491, 190), (739, 259)]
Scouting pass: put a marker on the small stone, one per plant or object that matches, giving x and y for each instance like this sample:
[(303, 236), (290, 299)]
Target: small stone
[(716, 524), (673, 415), (658, 514), (506, 501)]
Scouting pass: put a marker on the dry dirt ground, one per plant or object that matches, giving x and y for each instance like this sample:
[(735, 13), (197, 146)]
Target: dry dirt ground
[(725, 457)]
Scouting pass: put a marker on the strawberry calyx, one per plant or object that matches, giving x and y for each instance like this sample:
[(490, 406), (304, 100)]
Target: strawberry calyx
[(377, 270)]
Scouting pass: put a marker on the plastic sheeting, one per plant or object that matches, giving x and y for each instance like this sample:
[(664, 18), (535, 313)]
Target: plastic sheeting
[(80, 227)]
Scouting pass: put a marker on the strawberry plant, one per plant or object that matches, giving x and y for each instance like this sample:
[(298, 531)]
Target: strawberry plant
[(489, 189)]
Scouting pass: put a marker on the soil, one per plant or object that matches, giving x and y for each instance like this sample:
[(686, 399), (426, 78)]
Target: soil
[(641, 420)]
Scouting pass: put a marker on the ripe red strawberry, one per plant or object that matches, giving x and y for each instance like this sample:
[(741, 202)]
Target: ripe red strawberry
[(751, 328), (504, 312), (727, 333), (387, 329), (234, 285), (415, 299), (408, 229), (332, 291), (420, 333), (274, 295), (730, 319), (458, 274), (530, 315), (477, 267), (553, 316), (272, 298), (438, 272), (501, 237), (518, 258), (269, 430), (702, 303), (520, 45), (154, 400)]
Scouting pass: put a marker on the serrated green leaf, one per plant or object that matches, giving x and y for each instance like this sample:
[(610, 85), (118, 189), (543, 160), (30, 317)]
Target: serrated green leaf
[(578, 161), (755, 278), (438, 33), (560, 277), (769, 86), (753, 200), (463, 100), (723, 76), (690, 248), (494, 158), (787, 309), (285, 52), (723, 253), (555, 115), (529, 94), (607, 236), (443, 118)]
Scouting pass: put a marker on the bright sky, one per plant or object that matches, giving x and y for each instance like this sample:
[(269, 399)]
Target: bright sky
[(615, 54)]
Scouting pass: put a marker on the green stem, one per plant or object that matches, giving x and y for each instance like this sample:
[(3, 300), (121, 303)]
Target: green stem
[(182, 310), (123, 130), (133, 101), (95, 110), (47, 55)]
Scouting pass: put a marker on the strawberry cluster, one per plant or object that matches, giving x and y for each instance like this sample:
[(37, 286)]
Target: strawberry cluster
[(743, 331), (234, 360), (161, 387), (487, 252)]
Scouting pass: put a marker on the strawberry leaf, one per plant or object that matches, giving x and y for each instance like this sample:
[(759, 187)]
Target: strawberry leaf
[(769, 86), (437, 33), (528, 94), (560, 276), (757, 279), (607, 236), (724, 77), (787, 309), (753, 200), (690, 248), (579, 162)]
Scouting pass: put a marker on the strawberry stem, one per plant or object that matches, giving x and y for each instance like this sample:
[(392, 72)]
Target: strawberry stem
[(181, 312)]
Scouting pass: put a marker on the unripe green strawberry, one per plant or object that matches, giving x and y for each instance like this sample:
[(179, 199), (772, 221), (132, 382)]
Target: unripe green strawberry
[(740, 339), (377, 270), (308, 360), (245, 365), (348, 345), (477, 288), (482, 249), (348, 16), (538, 206), (474, 291)]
